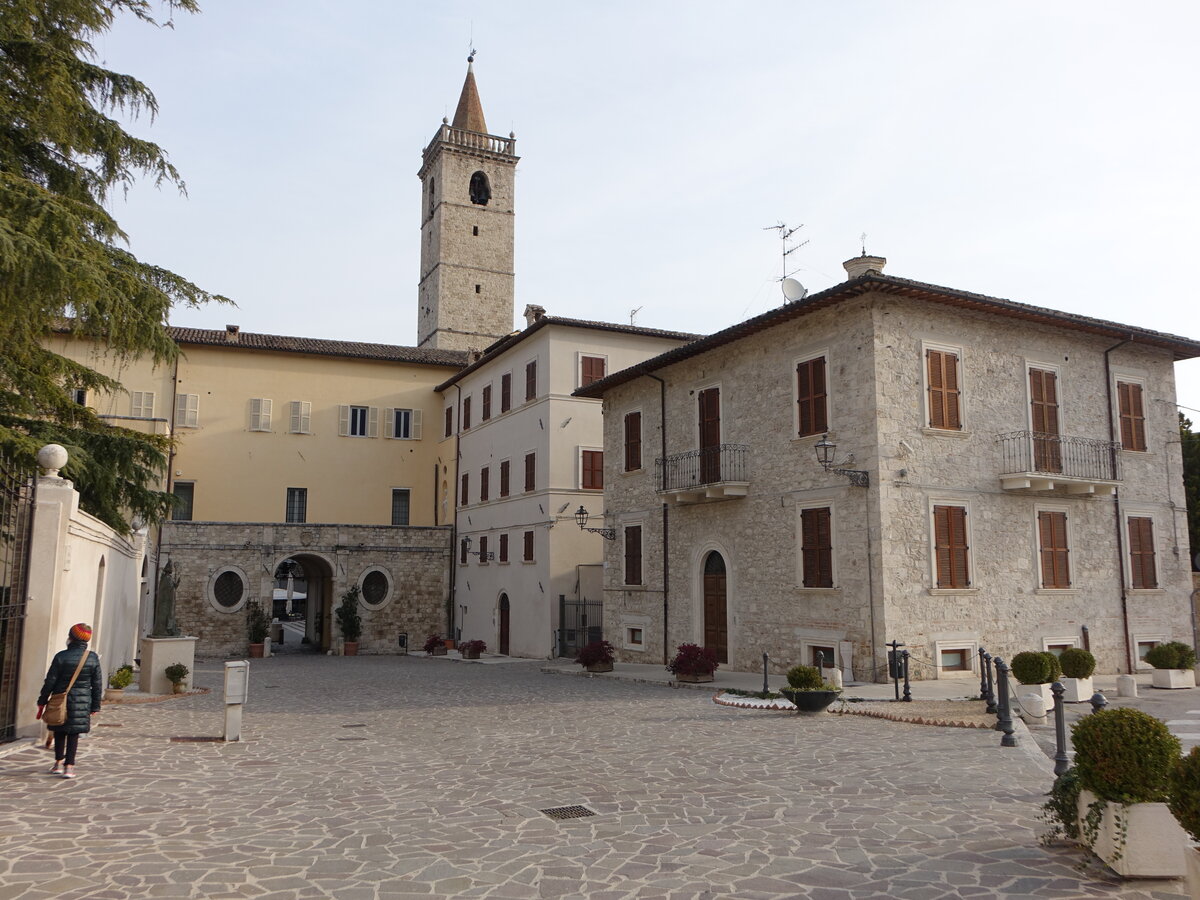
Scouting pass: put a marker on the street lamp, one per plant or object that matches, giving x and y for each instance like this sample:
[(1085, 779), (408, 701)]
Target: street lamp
[(581, 516), (484, 555), (826, 453)]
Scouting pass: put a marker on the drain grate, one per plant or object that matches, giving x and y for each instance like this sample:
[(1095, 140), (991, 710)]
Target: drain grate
[(351, 739), (196, 740), (358, 725), (108, 724), (567, 812)]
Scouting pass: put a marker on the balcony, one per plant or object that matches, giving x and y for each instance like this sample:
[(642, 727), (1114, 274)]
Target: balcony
[(1032, 461), (702, 476)]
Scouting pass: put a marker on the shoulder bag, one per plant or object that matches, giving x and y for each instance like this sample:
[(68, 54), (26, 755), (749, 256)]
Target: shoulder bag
[(55, 712)]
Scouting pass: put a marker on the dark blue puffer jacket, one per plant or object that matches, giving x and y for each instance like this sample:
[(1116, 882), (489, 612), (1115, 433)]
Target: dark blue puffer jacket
[(84, 698)]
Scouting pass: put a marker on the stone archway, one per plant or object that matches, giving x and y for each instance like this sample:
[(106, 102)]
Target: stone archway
[(308, 580)]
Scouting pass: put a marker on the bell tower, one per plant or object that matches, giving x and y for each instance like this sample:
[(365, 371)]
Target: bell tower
[(465, 296)]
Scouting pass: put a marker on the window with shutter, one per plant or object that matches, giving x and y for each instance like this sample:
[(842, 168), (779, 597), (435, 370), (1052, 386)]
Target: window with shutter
[(531, 379), (483, 550), (816, 542), (950, 546), (528, 546), (945, 395), (1052, 541), (633, 441), (449, 421), (142, 404), (466, 497), (1043, 415), (301, 417), (812, 397), (1133, 418), (187, 410), (503, 554), (592, 369), (506, 392), (633, 554), (485, 403), (530, 470), (1143, 573), (505, 466), (593, 470), (466, 413), (260, 414), (484, 478), (462, 552)]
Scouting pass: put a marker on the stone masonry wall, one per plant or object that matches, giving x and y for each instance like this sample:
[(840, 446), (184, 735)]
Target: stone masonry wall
[(415, 560)]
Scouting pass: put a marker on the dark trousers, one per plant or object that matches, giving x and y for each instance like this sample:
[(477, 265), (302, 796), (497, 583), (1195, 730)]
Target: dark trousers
[(65, 746)]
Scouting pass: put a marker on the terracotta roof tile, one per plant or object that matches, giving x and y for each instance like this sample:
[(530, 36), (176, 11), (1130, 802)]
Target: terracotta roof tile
[(318, 347)]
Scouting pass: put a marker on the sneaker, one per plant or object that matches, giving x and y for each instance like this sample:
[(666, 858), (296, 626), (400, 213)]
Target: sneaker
[(68, 772), (57, 770)]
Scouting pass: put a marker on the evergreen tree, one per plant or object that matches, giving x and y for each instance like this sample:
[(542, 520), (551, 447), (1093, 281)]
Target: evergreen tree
[(1191, 481), (62, 261)]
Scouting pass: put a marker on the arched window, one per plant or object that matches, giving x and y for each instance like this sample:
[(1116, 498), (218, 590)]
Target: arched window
[(481, 189), (432, 201)]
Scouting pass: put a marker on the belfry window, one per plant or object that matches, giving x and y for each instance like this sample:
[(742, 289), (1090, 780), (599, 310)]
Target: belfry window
[(481, 189)]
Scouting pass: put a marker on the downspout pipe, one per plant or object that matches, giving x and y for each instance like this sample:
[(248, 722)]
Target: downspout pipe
[(666, 544), (1112, 437)]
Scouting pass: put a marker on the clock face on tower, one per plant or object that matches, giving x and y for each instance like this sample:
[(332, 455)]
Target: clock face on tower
[(481, 190)]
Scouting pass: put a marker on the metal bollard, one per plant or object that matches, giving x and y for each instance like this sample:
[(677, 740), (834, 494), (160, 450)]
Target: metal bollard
[(907, 691), (1004, 711), (1061, 762), (990, 696), (766, 690), (983, 685), (1098, 701)]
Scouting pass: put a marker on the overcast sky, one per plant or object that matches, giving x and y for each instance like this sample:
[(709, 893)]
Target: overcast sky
[(1041, 152)]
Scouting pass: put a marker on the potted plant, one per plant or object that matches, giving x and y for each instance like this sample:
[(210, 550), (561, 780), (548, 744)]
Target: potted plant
[(1174, 665), (1077, 668), (349, 621), (597, 656), (435, 645), (808, 691), (472, 649), (117, 682), (1183, 799), (693, 664), (1037, 669), (257, 627), (1123, 758), (177, 674)]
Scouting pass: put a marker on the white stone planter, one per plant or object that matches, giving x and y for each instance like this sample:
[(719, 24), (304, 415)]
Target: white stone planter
[(1174, 678), (1155, 843), (1191, 857), (1077, 690)]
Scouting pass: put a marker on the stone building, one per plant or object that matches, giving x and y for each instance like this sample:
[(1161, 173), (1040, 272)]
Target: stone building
[(998, 476), (527, 579)]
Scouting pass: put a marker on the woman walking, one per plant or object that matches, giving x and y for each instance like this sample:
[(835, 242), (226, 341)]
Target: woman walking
[(76, 670)]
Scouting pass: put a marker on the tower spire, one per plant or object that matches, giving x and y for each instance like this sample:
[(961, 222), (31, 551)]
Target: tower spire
[(469, 114)]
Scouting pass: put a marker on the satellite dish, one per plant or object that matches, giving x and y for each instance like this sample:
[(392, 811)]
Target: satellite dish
[(794, 290)]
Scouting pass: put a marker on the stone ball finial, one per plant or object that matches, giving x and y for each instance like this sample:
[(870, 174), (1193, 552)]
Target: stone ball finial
[(52, 458), (445, 120)]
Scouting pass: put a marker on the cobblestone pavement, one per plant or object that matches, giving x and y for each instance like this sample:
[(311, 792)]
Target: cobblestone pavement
[(389, 777)]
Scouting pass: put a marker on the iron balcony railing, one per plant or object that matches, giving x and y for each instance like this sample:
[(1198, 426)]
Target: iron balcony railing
[(696, 468), (1036, 453)]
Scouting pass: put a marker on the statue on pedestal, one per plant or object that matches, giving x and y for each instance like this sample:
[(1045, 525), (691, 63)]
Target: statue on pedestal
[(164, 603)]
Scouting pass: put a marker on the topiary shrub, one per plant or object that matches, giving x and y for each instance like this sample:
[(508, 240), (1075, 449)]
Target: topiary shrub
[(176, 673), (1055, 667), (1077, 663), (1183, 792), (805, 678), (1124, 755), (1033, 667), (121, 678), (1172, 655)]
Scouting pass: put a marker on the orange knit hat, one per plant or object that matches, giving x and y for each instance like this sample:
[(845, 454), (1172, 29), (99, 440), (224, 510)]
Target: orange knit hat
[(81, 632)]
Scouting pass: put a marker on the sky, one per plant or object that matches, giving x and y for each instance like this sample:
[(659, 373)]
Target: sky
[(1044, 153)]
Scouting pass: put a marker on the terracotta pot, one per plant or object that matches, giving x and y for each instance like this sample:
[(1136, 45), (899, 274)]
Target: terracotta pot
[(256, 651), (113, 695), (350, 648), (694, 679), (449, 643), (600, 667)]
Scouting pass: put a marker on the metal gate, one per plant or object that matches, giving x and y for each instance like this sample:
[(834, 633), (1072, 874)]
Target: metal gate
[(579, 623), (17, 488)]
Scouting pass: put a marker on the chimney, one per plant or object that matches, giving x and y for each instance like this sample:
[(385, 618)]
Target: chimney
[(863, 265), (232, 332), (533, 312)]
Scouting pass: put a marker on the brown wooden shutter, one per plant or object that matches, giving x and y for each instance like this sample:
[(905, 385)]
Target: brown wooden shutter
[(506, 392), (812, 397), (465, 499), (950, 546), (1133, 418), (1052, 538), (593, 369), (817, 547), (1143, 572), (529, 546), (530, 470), (633, 441), (504, 548), (504, 467), (484, 477), (531, 380), (449, 421), (633, 554), (1043, 414), (944, 390), (466, 413), (486, 412), (593, 470)]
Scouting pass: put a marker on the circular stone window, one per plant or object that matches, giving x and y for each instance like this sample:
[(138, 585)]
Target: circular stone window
[(227, 589), (376, 587)]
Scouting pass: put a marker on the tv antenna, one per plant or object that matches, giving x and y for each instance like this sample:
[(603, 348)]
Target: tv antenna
[(634, 312), (793, 290)]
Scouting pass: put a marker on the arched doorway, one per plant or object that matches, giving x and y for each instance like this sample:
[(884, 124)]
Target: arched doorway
[(716, 621), (504, 624), (301, 602)]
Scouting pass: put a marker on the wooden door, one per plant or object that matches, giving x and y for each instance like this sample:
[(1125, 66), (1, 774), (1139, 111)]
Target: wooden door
[(1043, 403), (710, 435), (716, 626), (504, 624)]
